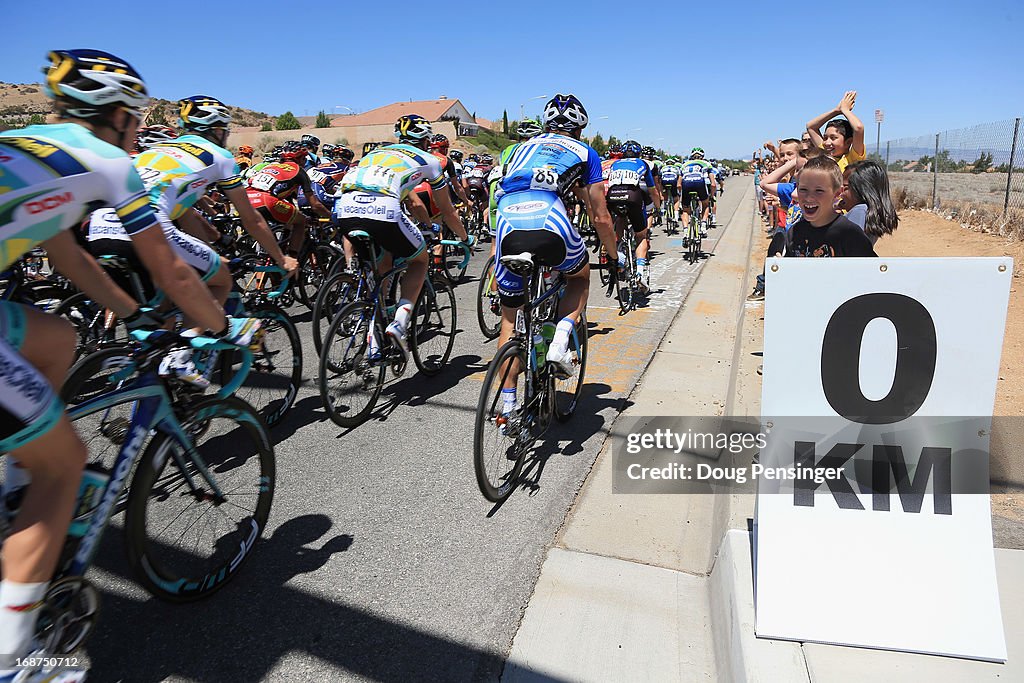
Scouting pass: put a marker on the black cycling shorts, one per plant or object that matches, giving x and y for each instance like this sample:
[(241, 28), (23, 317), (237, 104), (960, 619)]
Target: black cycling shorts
[(628, 201), (697, 187), (125, 250), (548, 248)]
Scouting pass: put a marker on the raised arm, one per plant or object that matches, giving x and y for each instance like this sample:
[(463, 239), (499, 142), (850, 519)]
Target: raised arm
[(846, 109)]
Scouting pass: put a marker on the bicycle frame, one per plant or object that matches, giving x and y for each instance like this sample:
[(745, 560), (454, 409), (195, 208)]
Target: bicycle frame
[(154, 411)]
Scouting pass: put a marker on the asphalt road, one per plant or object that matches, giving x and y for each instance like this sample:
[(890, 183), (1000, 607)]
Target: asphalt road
[(382, 560)]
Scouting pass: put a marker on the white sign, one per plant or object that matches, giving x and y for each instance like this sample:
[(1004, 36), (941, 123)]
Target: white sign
[(879, 116), (881, 368)]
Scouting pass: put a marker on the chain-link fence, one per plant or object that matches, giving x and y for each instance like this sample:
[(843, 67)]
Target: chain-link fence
[(974, 174)]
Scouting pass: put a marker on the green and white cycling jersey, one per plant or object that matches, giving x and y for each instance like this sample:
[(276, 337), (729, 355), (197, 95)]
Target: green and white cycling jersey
[(495, 176), (697, 167), (178, 172), (394, 171), (53, 176)]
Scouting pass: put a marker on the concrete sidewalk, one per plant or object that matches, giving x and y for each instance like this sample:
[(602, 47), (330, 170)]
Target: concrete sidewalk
[(659, 587)]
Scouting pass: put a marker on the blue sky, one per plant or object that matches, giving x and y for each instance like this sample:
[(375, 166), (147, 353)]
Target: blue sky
[(723, 75)]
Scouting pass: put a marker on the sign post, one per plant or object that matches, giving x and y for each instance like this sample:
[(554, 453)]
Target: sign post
[(879, 117), (881, 379)]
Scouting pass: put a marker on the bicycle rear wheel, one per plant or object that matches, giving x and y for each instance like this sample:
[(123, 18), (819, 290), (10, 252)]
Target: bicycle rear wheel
[(499, 441), (627, 288), (490, 322), (185, 538), (567, 391), (433, 326), (313, 273), (349, 382)]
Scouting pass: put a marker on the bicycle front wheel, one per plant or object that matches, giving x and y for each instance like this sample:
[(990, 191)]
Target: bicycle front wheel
[(193, 519), (275, 377), (350, 382), (337, 291), (433, 327), (500, 438), (487, 301)]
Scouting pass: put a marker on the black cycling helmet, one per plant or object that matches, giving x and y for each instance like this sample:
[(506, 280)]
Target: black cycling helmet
[(527, 128), (565, 114), (648, 152), (328, 150), (344, 153), (455, 155), (310, 141)]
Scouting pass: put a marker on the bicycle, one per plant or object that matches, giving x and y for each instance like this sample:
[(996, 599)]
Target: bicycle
[(693, 236), (671, 219), (488, 304), (501, 440), (351, 372), (343, 287), (171, 481), (275, 374), (628, 290)]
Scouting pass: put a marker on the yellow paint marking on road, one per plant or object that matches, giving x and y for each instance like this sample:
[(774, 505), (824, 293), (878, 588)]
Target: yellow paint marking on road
[(707, 308), (615, 356)]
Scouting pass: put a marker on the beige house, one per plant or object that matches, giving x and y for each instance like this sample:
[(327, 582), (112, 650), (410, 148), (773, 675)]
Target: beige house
[(446, 116)]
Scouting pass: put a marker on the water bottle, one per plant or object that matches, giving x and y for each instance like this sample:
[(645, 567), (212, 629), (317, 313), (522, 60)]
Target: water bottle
[(90, 491), (540, 345), (548, 331)]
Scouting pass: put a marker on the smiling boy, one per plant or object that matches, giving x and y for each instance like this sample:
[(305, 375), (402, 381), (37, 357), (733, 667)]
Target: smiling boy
[(844, 138), (822, 232)]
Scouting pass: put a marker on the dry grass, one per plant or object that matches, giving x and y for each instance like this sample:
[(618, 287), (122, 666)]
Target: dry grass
[(979, 216)]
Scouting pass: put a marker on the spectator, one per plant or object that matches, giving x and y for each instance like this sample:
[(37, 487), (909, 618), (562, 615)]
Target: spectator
[(822, 231), (866, 199), (844, 138)]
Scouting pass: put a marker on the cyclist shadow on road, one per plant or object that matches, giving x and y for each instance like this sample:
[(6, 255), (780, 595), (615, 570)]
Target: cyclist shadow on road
[(417, 389), (266, 625), (586, 424)]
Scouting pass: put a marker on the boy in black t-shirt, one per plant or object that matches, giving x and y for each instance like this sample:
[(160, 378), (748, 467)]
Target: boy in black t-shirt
[(822, 231)]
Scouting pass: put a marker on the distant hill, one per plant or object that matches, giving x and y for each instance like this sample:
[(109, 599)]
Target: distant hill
[(19, 102)]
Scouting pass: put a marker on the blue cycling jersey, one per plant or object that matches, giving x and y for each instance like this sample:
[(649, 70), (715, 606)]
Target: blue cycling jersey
[(552, 163)]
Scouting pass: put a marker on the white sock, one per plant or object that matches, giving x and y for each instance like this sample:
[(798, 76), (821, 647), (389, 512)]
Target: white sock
[(19, 604), (562, 332), (508, 400), (403, 312)]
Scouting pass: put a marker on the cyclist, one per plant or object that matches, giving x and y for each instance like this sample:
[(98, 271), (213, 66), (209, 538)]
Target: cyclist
[(53, 176), (649, 154), (439, 148), (273, 187), (244, 157), (670, 174), (312, 145), (698, 179), (632, 188), (342, 156), (456, 156), (531, 218), (373, 193)]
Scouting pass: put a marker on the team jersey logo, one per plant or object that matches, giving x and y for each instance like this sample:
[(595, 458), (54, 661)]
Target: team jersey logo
[(525, 207)]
